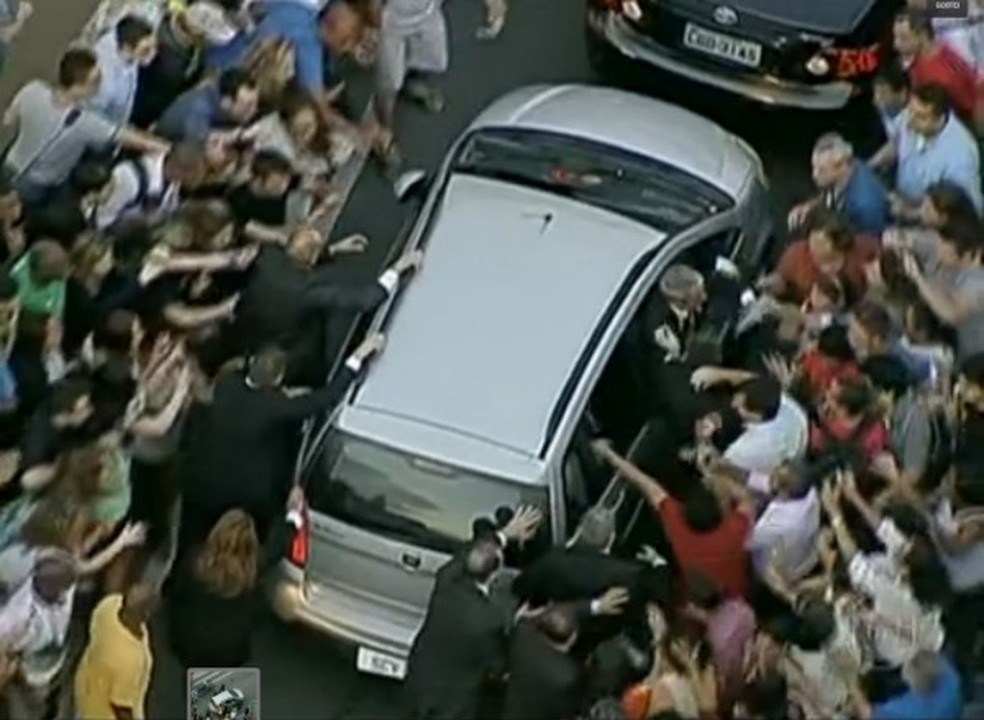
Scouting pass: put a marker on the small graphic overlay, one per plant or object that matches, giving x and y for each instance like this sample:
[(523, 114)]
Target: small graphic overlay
[(948, 8), (224, 694)]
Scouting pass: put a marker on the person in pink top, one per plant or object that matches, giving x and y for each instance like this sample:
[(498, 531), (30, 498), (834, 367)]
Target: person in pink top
[(729, 626)]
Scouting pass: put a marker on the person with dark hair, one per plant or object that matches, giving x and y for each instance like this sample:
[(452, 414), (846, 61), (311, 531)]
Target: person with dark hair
[(54, 128), (849, 422), (765, 697), (585, 570), (148, 188), (237, 455), (463, 642), (702, 536), (71, 211), (544, 679), (729, 625), (131, 45), (13, 235), (955, 294), (828, 247), (890, 91), (57, 425), (228, 102), (930, 62), (830, 361), (873, 333), (41, 275), (952, 154), (263, 199), (910, 592)]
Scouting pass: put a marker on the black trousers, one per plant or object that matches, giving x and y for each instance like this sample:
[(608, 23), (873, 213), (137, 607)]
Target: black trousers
[(964, 623)]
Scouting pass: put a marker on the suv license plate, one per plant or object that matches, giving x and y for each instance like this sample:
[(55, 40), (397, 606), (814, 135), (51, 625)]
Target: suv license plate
[(742, 52), (377, 663)]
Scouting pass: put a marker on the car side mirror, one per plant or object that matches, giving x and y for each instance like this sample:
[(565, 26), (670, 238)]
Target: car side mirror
[(409, 185)]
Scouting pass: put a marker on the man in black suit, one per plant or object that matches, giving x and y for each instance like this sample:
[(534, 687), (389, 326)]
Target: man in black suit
[(544, 679), (584, 570), (463, 642)]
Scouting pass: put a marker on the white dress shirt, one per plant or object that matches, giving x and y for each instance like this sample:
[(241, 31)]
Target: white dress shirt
[(901, 627), (118, 84), (126, 189), (785, 536), (765, 446)]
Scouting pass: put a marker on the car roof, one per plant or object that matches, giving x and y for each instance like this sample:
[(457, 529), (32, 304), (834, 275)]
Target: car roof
[(640, 124), (486, 337), (222, 697)]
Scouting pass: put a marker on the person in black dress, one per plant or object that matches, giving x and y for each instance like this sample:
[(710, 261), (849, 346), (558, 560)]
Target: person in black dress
[(212, 601)]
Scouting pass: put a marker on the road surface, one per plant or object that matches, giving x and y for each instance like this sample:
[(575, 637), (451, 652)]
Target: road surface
[(304, 676)]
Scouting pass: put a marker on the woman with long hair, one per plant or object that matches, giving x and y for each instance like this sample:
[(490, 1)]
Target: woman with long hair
[(270, 64), (212, 602)]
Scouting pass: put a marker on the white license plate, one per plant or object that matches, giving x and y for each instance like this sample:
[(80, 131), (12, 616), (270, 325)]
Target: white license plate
[(743, 52), (377, 663)]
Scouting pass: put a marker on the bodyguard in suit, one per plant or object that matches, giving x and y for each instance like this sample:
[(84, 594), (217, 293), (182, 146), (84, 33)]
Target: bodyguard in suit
[(544, 679), (585, 572), (463, 643)]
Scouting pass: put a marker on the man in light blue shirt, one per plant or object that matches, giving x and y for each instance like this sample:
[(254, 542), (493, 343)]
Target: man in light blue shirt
[(933, 146), (121, 53)]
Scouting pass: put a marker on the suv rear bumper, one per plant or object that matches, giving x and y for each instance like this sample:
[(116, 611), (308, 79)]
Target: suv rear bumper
[(340, 616), (612, 30)]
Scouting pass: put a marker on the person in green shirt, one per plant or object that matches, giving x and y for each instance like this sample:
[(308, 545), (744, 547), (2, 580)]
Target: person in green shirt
[(41, 275)]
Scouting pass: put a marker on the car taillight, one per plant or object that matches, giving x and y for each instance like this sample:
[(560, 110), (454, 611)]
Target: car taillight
[(848, 63), (300, 541)]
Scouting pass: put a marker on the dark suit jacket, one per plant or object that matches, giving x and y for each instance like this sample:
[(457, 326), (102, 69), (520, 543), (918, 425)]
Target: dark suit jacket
[(566, 575), (461, 646), (543, 681)]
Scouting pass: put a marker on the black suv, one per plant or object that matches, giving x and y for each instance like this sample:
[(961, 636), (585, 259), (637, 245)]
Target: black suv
[(808, 54)]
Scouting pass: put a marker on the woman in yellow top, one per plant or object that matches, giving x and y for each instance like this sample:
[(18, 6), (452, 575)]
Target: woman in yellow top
[(113, 676)]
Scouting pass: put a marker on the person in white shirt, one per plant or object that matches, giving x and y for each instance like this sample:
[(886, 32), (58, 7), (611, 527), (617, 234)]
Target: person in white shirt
[(121, 53), (775, 427), (150, 185), (34, 627), (905, 585)]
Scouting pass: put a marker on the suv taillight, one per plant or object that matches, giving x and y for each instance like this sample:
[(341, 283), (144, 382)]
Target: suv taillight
[(300, 541)]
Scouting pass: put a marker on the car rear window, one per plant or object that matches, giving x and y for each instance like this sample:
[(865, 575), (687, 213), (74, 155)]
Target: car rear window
[(652, 192), (414, 500)]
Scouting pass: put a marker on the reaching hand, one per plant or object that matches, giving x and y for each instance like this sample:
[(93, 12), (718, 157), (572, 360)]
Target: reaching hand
[(410, 260), (133, 535), (780, 368), (612, 602), (706, 377), (351, 245), (523, 524), (370, 346), (602, 448)]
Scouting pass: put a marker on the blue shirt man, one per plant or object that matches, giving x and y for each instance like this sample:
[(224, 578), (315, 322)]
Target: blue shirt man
[(296, 21), (934, 145), (231, 101), (939, 699)]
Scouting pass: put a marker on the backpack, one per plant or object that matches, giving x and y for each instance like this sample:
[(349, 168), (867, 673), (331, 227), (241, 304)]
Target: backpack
[(144, 200)]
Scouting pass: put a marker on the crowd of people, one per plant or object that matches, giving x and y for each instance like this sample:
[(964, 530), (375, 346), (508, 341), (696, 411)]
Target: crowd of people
[(815, 539), (815, 535), (165, 304)]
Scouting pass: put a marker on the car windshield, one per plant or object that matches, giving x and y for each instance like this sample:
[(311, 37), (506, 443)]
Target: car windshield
[(649, 191), (411, 499)]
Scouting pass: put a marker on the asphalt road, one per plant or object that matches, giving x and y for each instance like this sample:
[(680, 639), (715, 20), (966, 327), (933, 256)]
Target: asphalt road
[(305, 676)]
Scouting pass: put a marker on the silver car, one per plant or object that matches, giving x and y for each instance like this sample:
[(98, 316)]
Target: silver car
[(545, 230)]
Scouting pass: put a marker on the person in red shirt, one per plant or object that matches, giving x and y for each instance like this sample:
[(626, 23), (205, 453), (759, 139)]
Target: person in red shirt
[(831, 360), (830, 249), (851, 417), (929, 62), (704, 537)]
